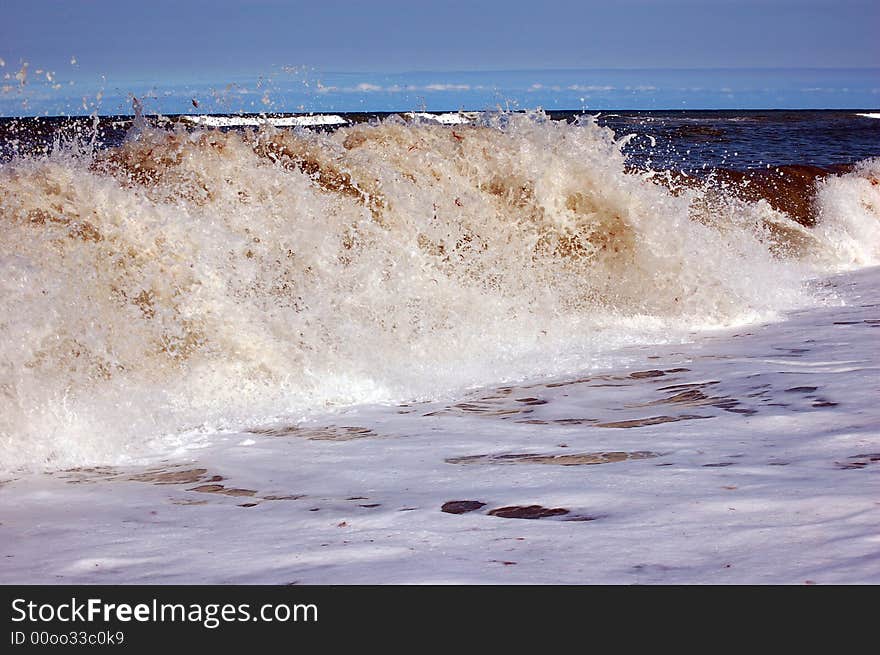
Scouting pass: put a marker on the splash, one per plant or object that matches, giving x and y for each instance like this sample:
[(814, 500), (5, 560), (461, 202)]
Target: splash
[(848, 212), (198, 278)]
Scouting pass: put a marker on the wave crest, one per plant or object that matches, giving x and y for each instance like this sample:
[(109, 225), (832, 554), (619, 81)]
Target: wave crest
[(188, 278)]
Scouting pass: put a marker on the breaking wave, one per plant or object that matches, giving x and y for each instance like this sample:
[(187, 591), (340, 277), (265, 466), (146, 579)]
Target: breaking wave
[(195, 277)]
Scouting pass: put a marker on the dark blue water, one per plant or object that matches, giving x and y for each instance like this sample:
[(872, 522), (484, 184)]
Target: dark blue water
[(690, 141), (746, 140)]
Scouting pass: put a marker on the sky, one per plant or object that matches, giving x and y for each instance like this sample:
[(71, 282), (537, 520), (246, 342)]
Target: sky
[(183, 44)]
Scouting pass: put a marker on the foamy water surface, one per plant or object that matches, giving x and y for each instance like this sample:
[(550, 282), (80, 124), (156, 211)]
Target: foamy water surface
[(490, 350), (203, 280)]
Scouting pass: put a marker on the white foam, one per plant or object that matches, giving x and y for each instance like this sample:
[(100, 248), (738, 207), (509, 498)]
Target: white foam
[(256, 121), (774, 485), (870, 115), (448, 118), (849, 216)]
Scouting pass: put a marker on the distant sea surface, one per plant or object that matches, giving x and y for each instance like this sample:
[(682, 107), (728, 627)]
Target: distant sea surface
[(32, 90)]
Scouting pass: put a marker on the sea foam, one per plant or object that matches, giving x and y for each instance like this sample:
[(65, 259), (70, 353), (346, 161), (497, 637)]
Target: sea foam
[(209, 279)]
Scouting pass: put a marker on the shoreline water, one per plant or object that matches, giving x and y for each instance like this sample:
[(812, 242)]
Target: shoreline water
[(743, 457)]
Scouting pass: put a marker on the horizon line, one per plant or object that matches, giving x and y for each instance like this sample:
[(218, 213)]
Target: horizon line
[(391, 112)]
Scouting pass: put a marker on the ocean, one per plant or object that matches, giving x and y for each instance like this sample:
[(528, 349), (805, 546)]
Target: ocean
[(462, 347)]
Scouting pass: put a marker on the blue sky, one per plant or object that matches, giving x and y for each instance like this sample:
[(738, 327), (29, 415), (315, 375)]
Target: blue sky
[(437, 53)]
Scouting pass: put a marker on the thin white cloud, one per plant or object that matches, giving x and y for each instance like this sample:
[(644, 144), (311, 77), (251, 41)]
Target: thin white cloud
[(369, 87), (447, 87), (589, 87)]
